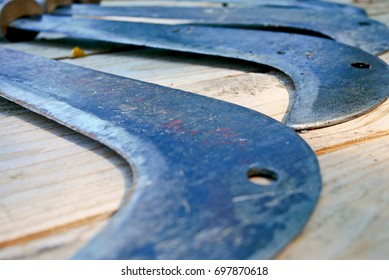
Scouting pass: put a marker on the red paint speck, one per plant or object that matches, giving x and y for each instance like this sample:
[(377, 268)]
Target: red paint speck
[(222, 129), (174, 125)]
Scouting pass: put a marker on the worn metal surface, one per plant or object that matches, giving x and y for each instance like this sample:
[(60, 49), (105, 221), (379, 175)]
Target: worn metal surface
[(311, 4), (191, 157), (358, 31), (333, 82), (50, 5)]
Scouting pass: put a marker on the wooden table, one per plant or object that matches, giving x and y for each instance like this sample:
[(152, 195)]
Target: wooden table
[(58, 188)]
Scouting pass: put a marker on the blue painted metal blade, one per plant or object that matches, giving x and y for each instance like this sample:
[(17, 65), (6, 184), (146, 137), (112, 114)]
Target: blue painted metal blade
[(357, 31), (309, 4), (191, 157), (334, 82)]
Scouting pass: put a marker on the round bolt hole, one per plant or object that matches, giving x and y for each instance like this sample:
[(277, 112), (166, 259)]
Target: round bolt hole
[(364, 23), (361, 65), (224, 4), (262, 177)]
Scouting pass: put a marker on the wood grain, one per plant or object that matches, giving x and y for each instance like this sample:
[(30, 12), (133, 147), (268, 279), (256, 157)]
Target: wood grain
[(57, 187)]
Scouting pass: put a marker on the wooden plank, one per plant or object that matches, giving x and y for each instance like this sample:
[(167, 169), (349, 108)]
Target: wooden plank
[(48, 179), (351, 219), (55, 245), (382, 18), (376, 8), (57, 188)]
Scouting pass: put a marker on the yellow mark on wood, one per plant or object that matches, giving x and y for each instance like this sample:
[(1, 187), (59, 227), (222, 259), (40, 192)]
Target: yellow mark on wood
[(77, 52), (350, 143)]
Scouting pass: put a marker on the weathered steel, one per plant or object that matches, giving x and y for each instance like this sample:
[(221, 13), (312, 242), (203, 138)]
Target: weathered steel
[(333, 82), (357, 31), (310, 4), (315, 5), (191, 157)]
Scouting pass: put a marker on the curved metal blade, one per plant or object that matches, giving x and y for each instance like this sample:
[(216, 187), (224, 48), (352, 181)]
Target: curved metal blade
[(334, 83), (358, 31), (311, 4), (191, 157)]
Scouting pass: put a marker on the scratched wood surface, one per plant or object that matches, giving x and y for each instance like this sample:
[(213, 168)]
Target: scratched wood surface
[(58, 188)]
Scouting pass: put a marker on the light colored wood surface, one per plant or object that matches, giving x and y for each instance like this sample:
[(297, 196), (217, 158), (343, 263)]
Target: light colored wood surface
[(58, 188)]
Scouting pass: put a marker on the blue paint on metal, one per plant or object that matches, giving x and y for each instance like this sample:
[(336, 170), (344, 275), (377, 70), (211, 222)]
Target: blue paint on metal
[(190, 156), (331, 87), (357, 31), (308, 4)]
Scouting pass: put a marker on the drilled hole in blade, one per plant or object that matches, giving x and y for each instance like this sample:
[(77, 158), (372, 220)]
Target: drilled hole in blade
[(361, 65), (261, 176), (364, 23)]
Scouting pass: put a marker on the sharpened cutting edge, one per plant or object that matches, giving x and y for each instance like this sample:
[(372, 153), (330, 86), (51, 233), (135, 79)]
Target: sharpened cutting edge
[(191, 157)]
